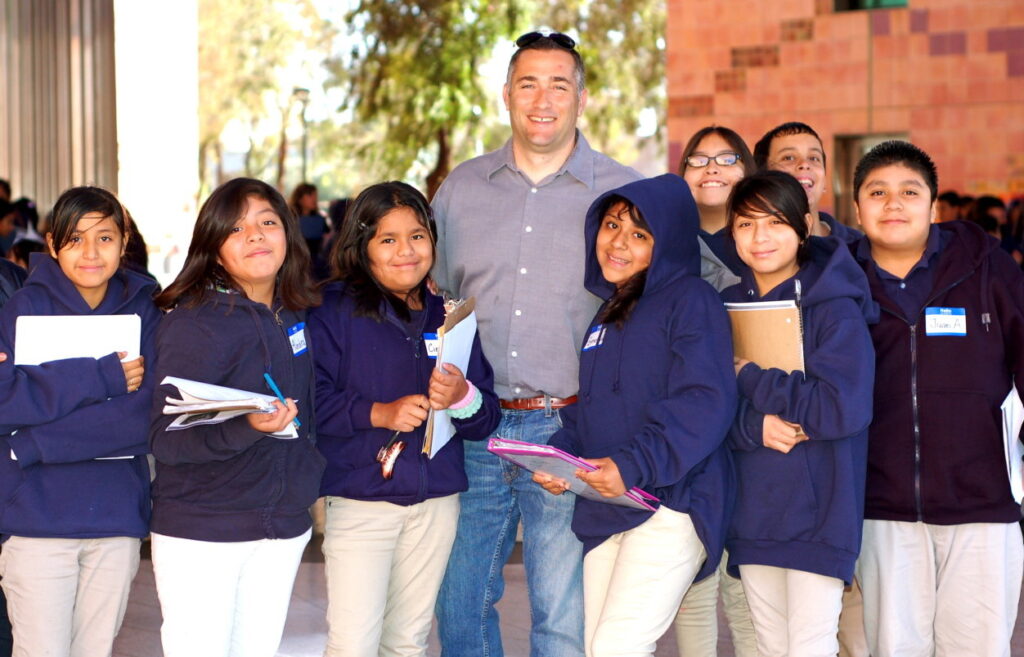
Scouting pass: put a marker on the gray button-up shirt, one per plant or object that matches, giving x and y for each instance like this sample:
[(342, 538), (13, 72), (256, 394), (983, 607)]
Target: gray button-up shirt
[(518, 247)]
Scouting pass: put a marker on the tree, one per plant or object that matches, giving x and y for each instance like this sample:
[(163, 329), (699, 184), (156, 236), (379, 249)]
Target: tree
[(244, 45), (413, 81), (414, 75)]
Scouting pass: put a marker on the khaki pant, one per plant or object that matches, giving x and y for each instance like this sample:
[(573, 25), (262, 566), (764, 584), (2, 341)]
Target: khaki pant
[(795, 613), (633, 584), (940, 590), (67, 597), (384, 566), (696, 624)]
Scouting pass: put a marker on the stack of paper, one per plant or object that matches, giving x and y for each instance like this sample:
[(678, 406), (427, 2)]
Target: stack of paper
[(205, 403), (42, 338)]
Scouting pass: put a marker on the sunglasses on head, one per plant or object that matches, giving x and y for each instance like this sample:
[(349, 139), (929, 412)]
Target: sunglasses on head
[(561, 40)]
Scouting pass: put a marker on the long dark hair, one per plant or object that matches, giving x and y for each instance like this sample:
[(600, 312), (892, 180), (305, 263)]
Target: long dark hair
[(776, 193), (217, 218), (620, 306), (350, 258)]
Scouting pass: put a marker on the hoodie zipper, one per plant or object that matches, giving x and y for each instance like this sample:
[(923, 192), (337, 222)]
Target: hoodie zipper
[(915, 408), (416, 343)]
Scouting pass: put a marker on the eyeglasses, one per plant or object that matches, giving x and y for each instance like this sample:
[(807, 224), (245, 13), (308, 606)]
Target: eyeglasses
[(561, 40), (722, 159)]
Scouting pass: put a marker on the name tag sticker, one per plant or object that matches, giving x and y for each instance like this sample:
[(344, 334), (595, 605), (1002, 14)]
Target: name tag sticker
[(945, 321), (297, 336), (433, 344), (595, 339)]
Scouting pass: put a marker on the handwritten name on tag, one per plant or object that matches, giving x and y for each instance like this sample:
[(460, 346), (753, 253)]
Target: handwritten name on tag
[(945, 321)]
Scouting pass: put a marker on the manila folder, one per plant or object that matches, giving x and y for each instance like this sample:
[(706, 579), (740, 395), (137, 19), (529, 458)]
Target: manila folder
[(768, 333)]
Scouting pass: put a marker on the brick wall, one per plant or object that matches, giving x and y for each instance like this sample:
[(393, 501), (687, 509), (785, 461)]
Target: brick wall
[(948, 73)]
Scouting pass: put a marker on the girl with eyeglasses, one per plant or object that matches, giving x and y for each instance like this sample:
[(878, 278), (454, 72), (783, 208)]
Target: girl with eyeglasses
[(713, 161)]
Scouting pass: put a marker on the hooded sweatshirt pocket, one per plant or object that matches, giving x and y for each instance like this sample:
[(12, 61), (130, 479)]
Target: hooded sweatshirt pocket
[(776, 499)]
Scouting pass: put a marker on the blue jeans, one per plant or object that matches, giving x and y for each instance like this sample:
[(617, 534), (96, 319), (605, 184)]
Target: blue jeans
[(499, 494)]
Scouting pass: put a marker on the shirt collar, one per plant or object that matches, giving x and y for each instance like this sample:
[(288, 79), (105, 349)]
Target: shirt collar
[(931, 249), (580, 164)]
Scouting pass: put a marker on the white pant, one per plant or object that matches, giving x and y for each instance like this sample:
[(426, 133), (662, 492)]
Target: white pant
[(634, 582), (795, 613), (384, 566), (940, 590), (696, 624), (66, 597), (224, 599)]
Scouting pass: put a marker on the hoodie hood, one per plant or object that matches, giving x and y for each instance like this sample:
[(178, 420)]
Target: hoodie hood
[(829, 273), (122, 288), (668, 208)]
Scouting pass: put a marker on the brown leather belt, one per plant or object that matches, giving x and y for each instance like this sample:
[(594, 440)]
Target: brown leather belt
[(535, 403)]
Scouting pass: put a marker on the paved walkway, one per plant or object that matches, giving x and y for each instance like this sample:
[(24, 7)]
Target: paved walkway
[(305, 632)]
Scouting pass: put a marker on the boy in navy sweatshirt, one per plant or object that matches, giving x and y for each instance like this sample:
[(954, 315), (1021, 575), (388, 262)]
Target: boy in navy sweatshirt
[(941, 560)]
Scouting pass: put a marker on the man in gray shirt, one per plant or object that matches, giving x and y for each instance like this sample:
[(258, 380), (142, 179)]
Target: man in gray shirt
[(510, 233)]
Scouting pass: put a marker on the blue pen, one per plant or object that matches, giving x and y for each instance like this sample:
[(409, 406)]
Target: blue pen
[(277, 391)]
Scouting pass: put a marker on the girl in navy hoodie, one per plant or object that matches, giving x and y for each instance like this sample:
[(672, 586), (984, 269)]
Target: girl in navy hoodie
[(391, 511), (656, 399), (74, 479), (800, 438), (231, 500)]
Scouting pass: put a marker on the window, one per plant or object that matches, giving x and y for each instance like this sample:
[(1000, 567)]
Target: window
[(855, 5), (847, 153)]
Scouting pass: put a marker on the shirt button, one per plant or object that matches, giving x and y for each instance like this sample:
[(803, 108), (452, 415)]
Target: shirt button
[(903, 285), (518, 313), (529, 229), (523, 270), (533, 190), (518, 390), (514, 354)]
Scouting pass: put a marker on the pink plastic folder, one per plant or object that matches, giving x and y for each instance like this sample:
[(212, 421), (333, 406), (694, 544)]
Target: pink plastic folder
[(555, 462)]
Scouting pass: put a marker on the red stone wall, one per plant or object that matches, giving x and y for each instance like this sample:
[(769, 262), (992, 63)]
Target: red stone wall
[(949, 73)]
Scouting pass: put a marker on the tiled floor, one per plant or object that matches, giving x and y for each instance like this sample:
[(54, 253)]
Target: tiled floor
[(305, 632)]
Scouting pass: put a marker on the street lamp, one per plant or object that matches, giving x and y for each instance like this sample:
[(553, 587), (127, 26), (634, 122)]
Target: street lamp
[(301, 94)]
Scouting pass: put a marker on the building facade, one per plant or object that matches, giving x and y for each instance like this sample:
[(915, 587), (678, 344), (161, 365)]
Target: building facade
[(947, 75)]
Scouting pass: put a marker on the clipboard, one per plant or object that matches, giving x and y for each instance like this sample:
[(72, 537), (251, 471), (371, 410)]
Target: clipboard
[(557, 463), (455, 344)]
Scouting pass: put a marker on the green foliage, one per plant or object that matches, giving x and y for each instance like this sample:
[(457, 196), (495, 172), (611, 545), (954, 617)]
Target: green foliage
[(243, 47), (413, 73)]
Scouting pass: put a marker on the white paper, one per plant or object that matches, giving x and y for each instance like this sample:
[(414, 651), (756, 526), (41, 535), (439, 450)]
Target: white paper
[(195, 392), (42, 338), (456, 346), (1013, 417)]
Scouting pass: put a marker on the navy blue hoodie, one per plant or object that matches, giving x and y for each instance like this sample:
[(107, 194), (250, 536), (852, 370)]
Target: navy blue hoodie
[(658, 395), (65, 422), (228, 482), (361, 361), (804, 510)]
